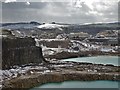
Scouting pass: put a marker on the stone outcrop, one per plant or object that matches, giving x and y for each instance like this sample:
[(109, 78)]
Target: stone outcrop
[(19, 51), (63, 71), (66, 55), (55, 44), (63, 55), (35, 80)]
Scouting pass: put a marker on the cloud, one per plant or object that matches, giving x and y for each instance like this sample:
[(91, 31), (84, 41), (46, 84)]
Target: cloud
[(77, 11), (8, 1)]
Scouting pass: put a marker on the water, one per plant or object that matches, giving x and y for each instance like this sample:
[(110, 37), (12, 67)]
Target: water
[(81, 84), (97, 60), (87, 84)]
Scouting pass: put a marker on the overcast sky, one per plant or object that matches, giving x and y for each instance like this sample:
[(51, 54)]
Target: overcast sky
[(77, 11)]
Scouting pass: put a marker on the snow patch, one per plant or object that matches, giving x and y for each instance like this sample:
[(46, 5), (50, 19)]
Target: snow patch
[(107, 50), (49, 40), (50, 26)]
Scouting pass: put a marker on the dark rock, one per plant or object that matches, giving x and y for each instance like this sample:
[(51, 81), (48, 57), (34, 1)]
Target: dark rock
[(36, 80), (35, 23), (19, 51), (64, 55)]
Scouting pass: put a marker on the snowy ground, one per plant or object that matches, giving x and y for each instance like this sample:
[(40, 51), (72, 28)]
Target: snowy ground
[(50, 26), (17, 70), (80, 45), (29, 69)]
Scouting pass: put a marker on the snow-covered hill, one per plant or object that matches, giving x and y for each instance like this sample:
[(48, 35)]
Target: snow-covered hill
[(50, 26)]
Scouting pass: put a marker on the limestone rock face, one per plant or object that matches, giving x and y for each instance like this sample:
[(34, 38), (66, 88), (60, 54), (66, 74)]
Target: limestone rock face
[(19, 51)]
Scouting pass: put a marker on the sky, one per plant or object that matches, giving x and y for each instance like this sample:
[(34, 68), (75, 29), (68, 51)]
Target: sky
[(61, 11)]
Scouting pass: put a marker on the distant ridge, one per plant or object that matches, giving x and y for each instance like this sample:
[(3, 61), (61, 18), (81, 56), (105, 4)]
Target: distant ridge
[(20, 25), (32, 22), (66, 28)]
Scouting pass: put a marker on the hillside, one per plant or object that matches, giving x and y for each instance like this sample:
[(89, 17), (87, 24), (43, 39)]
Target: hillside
[(65, 28)]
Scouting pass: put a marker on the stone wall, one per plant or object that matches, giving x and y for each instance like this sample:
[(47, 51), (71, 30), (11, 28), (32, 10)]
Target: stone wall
[(19, 51), (37, 80), (55, 44)]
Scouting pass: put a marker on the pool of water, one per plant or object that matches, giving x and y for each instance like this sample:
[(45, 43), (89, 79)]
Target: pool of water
[(114, 60), (87, 84), (81, 84)]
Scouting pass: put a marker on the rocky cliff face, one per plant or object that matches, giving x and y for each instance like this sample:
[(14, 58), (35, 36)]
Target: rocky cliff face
[(19, 51)]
